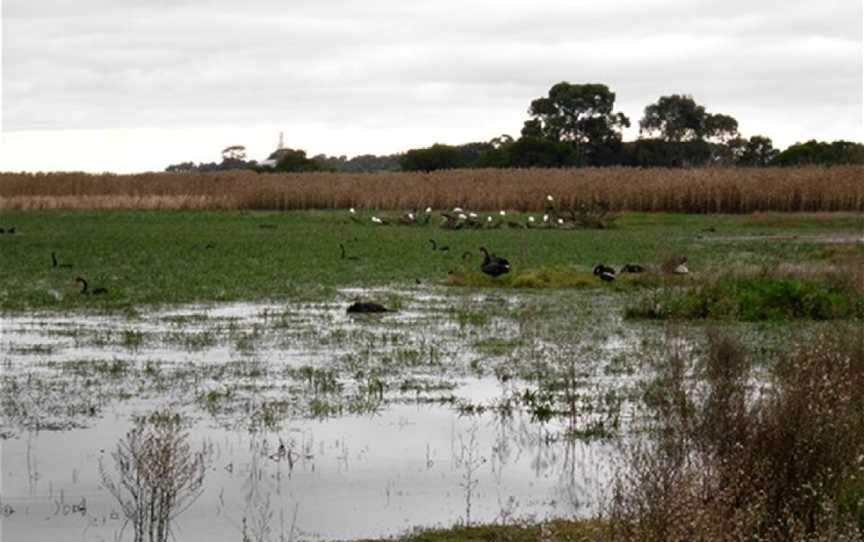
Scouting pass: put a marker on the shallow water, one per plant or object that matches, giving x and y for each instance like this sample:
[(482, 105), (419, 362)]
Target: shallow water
[(415, 418)]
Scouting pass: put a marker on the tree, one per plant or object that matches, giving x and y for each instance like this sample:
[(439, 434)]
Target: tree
[(234, 152), (292, 160), (680, 118), (759, 151), (577, 114), (821, 152), (438, 156)]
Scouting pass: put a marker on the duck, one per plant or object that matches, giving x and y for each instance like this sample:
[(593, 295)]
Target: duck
[(85, 291), (604, 273), (493, 265)]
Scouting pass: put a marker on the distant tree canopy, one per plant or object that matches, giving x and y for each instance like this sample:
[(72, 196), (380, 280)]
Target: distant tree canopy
[(292, 160), (821, 152), (576, 125), (581, 115), (679, 118), (365, 163)]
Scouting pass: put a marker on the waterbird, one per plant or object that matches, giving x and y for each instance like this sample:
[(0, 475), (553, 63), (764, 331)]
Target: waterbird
[(436, 247), (366, 307), (604, 273), (85, 291), (632, 268), (345, 256), (682, 269), (493, 265), (55, 263)]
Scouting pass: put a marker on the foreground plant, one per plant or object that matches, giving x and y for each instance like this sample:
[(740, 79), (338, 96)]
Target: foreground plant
[(158, 476), (724, 460)]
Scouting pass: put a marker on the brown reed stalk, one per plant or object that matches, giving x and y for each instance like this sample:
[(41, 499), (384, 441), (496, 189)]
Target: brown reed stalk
[(694, 190)]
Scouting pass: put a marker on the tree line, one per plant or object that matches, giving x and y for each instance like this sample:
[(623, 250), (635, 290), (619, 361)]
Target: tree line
[(575, 125)]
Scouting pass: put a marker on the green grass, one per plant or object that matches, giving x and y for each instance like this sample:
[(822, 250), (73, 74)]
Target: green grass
[(558, 530), (755, 299), (162, 257)]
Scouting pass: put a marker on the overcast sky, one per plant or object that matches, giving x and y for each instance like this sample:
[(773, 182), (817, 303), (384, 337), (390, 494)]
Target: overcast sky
[(134, 85)]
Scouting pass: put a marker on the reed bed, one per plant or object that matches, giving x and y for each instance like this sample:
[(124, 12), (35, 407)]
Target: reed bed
[(697, 190)]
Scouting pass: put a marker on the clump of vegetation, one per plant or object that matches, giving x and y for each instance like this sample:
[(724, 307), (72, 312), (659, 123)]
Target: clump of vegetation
[(726, 461), (759, 298)]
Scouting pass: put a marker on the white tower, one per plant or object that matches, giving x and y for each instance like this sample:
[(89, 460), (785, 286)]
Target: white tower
[(281, 140)]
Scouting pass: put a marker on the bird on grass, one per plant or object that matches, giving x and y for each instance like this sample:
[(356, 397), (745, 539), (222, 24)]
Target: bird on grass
[(435, 246), (366, 307), (55, 264), (85, 291), (632, 268), (604, 273), (493, 265), (344, 256)]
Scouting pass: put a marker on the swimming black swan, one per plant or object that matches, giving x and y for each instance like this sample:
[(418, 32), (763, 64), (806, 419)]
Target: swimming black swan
[(632, 268), (436, 247), (365, 307), (604, 273), (85, 291), (55, 263), (493, 265)]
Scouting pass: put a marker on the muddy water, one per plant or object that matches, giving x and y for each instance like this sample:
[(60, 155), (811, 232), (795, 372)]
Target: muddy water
[(317, 425)]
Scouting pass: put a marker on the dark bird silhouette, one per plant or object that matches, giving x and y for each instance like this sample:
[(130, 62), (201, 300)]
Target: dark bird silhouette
[(85, 291), (2, 230), (56, 264), (11, 231), (344, 256), (493, 265), (604, 273), (365, 307), (436, 247), (632, 268)]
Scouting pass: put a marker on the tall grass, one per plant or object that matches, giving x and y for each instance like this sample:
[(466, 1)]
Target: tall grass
[(727, 459), (704, 190)]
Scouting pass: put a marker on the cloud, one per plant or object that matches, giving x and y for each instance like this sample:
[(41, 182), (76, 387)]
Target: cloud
[(421, 66)]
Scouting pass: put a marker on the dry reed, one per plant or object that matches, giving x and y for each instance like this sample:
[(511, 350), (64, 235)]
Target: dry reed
[(698, 190)]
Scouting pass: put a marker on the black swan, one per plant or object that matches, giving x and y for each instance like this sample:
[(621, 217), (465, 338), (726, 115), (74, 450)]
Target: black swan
[(436, 247), (55, 263), (85, 291), (632, 268), (365, 307), (493, 265), (604, 273)]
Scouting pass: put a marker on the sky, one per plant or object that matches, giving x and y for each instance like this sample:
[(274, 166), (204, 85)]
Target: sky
[(136, 85)]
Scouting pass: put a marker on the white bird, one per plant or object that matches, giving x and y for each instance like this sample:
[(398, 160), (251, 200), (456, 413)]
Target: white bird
[(472, 215), (377, 220), (560, 220), (457, 209), (411, 216), (352, 210), (502, 213), (545, 218), (549, 197), (488, 219), (463, 216), (530, 219), (428, 210)]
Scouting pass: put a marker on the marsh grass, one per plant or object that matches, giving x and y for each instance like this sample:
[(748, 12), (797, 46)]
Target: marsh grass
[(161, 257), (723, 459), (763, 297), (694, 190)]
